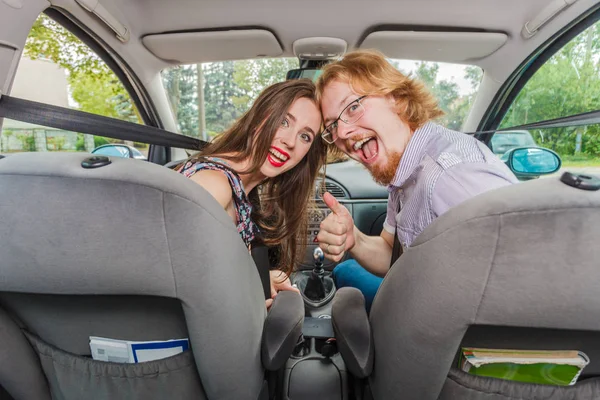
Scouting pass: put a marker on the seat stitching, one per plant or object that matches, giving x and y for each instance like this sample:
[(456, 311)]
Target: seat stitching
[(168, 244), (489, 273)]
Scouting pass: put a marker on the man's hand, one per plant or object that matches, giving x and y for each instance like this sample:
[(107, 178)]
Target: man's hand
[(336, 235), (279, 281)]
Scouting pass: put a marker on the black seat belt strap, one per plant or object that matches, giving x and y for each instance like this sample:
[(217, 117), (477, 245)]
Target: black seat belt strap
[(82, 122), (397, 250)]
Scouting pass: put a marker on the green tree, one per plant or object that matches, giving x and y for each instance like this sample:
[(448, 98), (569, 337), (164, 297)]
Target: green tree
[(253, 76), (567, 84), (220, 90), (181, 85), (230, 87), (446, 92), (93, 85)]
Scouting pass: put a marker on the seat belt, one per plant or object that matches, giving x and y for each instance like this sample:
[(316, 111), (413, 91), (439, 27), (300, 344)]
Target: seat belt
[(397, 250), (586, 118), (260, 255), (82, 122)]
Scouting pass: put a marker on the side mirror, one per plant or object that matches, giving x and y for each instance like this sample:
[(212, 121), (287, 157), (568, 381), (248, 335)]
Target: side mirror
[(531, 162)]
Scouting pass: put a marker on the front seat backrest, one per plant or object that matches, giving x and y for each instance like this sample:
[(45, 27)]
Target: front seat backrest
[(129, 250), (520, 256)]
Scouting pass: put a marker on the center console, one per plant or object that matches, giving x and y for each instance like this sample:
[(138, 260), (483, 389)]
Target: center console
[(315, 369), (316, 285)]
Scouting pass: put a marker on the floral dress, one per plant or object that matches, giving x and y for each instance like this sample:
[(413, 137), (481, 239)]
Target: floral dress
[(241, 204)]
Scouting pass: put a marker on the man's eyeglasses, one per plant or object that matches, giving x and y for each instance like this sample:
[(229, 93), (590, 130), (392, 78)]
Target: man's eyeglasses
[(349, 115)]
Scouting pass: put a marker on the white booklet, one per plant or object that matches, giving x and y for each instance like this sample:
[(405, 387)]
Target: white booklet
[(127, 351)]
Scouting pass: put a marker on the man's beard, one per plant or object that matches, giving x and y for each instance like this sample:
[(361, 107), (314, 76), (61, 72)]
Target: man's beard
[(384, 175)]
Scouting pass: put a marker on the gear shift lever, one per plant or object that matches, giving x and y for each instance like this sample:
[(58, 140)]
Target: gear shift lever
[(315, 286), (318, 256)]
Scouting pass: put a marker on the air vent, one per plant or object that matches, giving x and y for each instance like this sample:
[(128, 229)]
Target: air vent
[(335, 189)]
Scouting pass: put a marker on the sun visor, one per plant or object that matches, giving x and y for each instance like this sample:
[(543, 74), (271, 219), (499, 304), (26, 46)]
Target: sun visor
[(457, 47), (207, 46)]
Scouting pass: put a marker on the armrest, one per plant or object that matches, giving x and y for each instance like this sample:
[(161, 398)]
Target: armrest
[(353, 331), (282, 329)]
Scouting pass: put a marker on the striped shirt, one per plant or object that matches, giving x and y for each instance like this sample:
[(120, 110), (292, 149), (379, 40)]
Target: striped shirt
[(439, 169)]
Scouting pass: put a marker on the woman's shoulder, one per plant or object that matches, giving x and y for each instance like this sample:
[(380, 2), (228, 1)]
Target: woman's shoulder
[(216, 183)]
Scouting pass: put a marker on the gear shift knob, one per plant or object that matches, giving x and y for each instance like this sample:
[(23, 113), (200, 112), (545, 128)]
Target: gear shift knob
[(318, 256)]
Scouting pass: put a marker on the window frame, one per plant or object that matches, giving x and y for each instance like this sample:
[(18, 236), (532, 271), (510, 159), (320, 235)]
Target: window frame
[(511, 88), (138, 94)]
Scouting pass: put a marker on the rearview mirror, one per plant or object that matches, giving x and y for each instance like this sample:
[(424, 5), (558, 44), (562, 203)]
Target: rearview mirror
[(309, 73), (531, 162)]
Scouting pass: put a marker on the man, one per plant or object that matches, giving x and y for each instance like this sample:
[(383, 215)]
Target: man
[(383, 119)]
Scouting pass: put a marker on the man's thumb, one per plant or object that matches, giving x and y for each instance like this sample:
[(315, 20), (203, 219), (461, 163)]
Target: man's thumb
[(333, 204)]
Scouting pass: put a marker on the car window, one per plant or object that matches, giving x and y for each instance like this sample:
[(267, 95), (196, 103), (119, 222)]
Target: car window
[(57, 68), (454, 86), (230, 87), (504, 141), (567, 84), (224, 91)]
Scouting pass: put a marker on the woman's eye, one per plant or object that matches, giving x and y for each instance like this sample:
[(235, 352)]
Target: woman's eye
[(353, 107), (285, 123), (306, 137)]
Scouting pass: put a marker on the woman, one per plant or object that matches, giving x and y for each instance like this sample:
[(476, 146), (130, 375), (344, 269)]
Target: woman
[(262, 171)]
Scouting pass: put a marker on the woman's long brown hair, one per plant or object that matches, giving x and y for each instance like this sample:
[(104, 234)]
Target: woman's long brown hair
[(280, 204)]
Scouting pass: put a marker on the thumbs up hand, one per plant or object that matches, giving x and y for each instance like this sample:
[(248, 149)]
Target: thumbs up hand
[(336, 235)]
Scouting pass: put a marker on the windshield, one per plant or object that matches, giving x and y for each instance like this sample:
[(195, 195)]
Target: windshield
[(454, 86), (207, 98), (229, 87)]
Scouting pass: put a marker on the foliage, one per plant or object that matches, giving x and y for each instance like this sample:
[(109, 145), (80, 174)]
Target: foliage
[(93, 85), (98, 141), (27, 141), (56, 143), (567, 84), (229, 88)]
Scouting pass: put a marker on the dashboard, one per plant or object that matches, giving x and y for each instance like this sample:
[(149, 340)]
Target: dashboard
[(353, 187)]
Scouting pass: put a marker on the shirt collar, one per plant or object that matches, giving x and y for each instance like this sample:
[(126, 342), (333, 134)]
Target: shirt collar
[(413, 154)]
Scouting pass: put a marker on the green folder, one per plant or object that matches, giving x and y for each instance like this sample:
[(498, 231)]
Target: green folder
[(547, 367)]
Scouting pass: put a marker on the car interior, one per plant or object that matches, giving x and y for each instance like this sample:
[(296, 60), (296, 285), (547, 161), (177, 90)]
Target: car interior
[(100, 239)]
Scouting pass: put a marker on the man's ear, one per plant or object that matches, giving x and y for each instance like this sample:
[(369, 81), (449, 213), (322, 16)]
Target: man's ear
[(400, 106)]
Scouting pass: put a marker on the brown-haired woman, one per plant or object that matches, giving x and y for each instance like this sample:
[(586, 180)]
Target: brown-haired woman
[(263, 169)]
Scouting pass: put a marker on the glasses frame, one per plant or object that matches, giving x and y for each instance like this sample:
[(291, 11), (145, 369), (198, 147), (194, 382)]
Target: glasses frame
[(326, 133)]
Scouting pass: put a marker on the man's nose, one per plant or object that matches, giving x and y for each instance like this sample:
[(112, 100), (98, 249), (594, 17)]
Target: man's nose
[(344, 131)]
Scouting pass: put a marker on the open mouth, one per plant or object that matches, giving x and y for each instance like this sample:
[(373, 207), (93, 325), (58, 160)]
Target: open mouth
[(367, 149), (277, 157)]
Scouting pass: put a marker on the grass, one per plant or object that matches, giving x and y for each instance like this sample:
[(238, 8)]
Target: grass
[(580, 161)]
